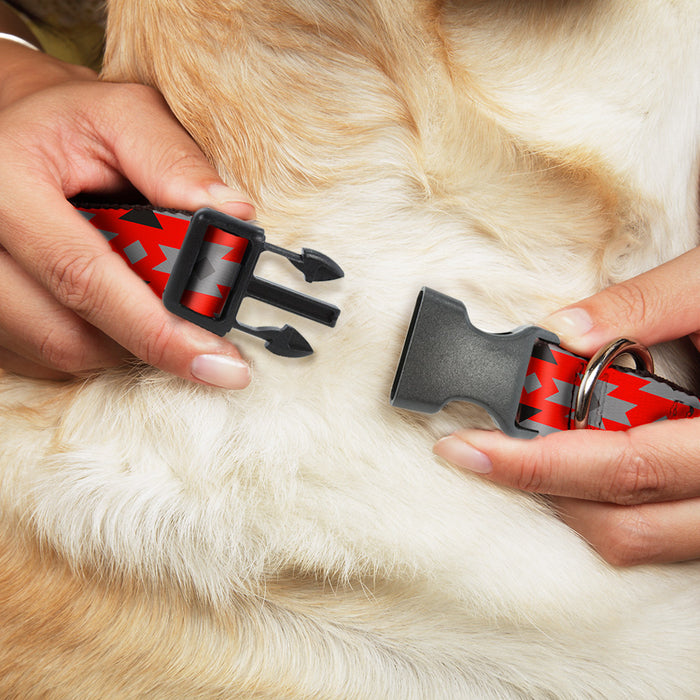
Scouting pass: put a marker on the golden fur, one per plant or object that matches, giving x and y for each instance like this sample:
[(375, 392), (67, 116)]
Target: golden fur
[(298, 539)]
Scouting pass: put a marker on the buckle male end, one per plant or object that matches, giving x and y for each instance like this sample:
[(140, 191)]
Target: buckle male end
[(445, 358), (192, 259)]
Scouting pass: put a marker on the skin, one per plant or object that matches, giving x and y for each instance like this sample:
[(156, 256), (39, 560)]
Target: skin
[(63, 132), (634, 495)]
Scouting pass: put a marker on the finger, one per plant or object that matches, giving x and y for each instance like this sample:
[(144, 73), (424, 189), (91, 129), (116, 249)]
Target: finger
[(11, 362), (35, 326), (655, 462), (76, 265), (659, 305), (162, 161), (630, 535)]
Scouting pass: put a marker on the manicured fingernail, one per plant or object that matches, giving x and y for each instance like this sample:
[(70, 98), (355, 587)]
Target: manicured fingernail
[(462, 455), (569, 324), (228, 198), (221, 370)]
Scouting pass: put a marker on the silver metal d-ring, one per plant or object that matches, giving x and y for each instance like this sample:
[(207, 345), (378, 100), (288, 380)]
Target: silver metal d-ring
[(595, 367)]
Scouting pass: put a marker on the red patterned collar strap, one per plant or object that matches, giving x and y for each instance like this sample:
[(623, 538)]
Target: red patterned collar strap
[(529, 384), (201, 264), (619, 398)]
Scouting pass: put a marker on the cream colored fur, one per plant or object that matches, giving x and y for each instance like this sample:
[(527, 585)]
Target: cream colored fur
[(298, 539)]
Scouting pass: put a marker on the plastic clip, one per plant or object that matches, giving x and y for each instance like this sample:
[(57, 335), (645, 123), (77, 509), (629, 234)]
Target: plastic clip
[(193, 263), (445, 358)]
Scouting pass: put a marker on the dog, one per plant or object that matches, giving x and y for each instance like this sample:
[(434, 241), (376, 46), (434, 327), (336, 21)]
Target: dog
[(298, 539)]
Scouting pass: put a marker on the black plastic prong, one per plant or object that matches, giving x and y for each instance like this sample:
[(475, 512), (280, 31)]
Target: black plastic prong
[(296, 302), (285, 341), (318, 267), (315, 266)]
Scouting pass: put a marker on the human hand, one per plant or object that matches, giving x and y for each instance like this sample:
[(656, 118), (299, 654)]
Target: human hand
[(634, 495), (67, 303)]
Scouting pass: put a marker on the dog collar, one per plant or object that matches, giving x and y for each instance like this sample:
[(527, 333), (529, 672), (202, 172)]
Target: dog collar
[(201, 264), (528, 383)]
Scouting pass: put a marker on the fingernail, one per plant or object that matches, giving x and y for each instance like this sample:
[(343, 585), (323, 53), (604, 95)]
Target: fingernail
[(221, 370), (462, 455), (569, 324), (228, 198)]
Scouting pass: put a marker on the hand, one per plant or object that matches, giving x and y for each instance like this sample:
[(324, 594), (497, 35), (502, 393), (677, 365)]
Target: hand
[(67, 303), (634, 495)]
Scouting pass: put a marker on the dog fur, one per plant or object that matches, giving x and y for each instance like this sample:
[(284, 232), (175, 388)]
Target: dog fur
[(298, 539)]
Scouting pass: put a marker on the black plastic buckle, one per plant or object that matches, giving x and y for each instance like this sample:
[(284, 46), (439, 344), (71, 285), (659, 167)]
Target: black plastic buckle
[(445, 358), (285, 341)]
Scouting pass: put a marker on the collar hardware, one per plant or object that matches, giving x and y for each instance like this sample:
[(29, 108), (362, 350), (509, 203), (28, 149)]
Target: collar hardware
[(595, 368), (445, 358)]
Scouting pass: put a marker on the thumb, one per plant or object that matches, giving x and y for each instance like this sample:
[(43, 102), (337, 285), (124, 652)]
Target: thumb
[(164, 163), (659, 305)]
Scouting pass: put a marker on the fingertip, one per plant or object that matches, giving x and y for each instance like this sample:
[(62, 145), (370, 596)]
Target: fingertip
[(231, 201), (653, 307), (194, 193), (573, 326), (191, 197), (223, 371), (468, 449), (463, 455)]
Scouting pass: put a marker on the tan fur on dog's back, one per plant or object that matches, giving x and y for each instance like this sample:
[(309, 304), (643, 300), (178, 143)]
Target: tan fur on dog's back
[(298, 539)]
